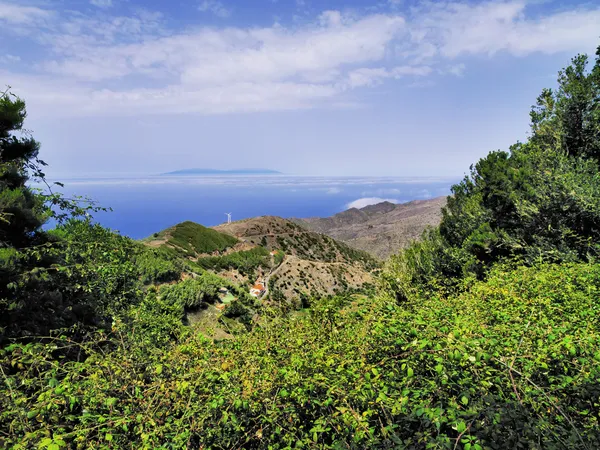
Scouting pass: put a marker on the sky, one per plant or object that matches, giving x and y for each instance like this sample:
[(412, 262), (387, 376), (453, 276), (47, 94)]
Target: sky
[(328, 87)]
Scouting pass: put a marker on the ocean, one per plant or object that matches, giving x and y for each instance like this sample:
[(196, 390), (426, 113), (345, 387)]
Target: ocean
[(143, 206)]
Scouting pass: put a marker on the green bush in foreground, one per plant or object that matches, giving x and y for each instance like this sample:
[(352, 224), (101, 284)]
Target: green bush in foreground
[(513, 362)]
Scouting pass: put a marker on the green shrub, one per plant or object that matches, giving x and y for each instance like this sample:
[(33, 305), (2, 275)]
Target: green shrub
[(246, 262), (193, 239), (512, 362)]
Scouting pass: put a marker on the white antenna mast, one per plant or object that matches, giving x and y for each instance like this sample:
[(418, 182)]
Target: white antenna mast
[(228, 217)]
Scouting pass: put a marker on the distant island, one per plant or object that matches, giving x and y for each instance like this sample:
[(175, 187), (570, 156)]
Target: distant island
[(187, 172)]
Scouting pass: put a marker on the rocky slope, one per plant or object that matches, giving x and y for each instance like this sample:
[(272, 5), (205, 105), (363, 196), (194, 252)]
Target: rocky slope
[(381, 229), (297, 278), (275, 233)]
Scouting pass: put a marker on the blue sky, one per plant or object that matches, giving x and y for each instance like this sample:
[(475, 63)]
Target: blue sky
[(394, 87)]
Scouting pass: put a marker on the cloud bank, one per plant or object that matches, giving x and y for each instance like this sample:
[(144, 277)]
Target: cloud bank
[(367, 201), (98, 63)]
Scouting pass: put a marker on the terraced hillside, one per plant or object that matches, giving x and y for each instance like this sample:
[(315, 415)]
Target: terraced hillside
[(306, 263)]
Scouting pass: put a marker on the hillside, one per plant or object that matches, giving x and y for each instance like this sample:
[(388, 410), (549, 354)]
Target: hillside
[(276, 233), (382, 229), (192, 239), (306, 264), (298, 279)]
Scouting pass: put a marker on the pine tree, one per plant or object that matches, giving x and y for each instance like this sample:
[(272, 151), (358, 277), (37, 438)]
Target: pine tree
[(22, 210)]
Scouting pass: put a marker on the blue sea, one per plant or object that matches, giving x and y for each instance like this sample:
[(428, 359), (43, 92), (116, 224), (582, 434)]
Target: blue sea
[(142, 206)]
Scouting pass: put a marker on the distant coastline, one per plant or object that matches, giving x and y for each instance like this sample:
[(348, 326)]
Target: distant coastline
[(190, 172)]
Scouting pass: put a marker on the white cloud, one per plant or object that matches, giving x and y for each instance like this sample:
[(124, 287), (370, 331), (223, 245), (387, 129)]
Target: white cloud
[(102, 3), (366, 201), (23, 15), (371, 77), (215, 7), (8, 58), (456, 29), (137, 65), (457, 69), (382, 192)]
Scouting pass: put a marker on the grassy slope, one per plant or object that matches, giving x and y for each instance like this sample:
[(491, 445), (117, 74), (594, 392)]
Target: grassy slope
[(194, 239)]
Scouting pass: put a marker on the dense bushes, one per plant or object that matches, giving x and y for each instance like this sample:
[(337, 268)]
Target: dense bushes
[(194, 239), (246, 262), (158, 265), (513, 362), (193, 292)]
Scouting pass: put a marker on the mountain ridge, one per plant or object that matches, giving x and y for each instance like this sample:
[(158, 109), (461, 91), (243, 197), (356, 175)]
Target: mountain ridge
[(381, 229)]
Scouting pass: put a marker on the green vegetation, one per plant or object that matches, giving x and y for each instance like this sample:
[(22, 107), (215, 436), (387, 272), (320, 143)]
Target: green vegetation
[(159, 265), (521, 367), (483, 335), (246, 262), (292, 239), (540, 202), (194, 239)]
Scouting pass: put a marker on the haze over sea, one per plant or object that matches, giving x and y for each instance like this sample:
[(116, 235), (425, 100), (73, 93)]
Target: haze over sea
[(142, 206)]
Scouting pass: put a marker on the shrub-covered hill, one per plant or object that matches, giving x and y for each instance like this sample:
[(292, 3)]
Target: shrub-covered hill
[(512, 362), (276, 233), (247, 256), (192, 239)]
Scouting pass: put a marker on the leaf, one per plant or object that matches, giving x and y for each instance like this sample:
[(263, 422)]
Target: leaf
[(409, 372)]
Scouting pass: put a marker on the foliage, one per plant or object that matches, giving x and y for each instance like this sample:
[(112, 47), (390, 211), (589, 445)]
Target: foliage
[(193, 292), (538, 202), (278, 258), (569, 118), (517, 370), (159, 265), (33, 294), (246, 262), (194, 239)]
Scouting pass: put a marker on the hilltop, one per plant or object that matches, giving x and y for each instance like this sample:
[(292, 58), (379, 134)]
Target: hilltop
[(382, 229), (276, 233), (192, 239), (311, 263)]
